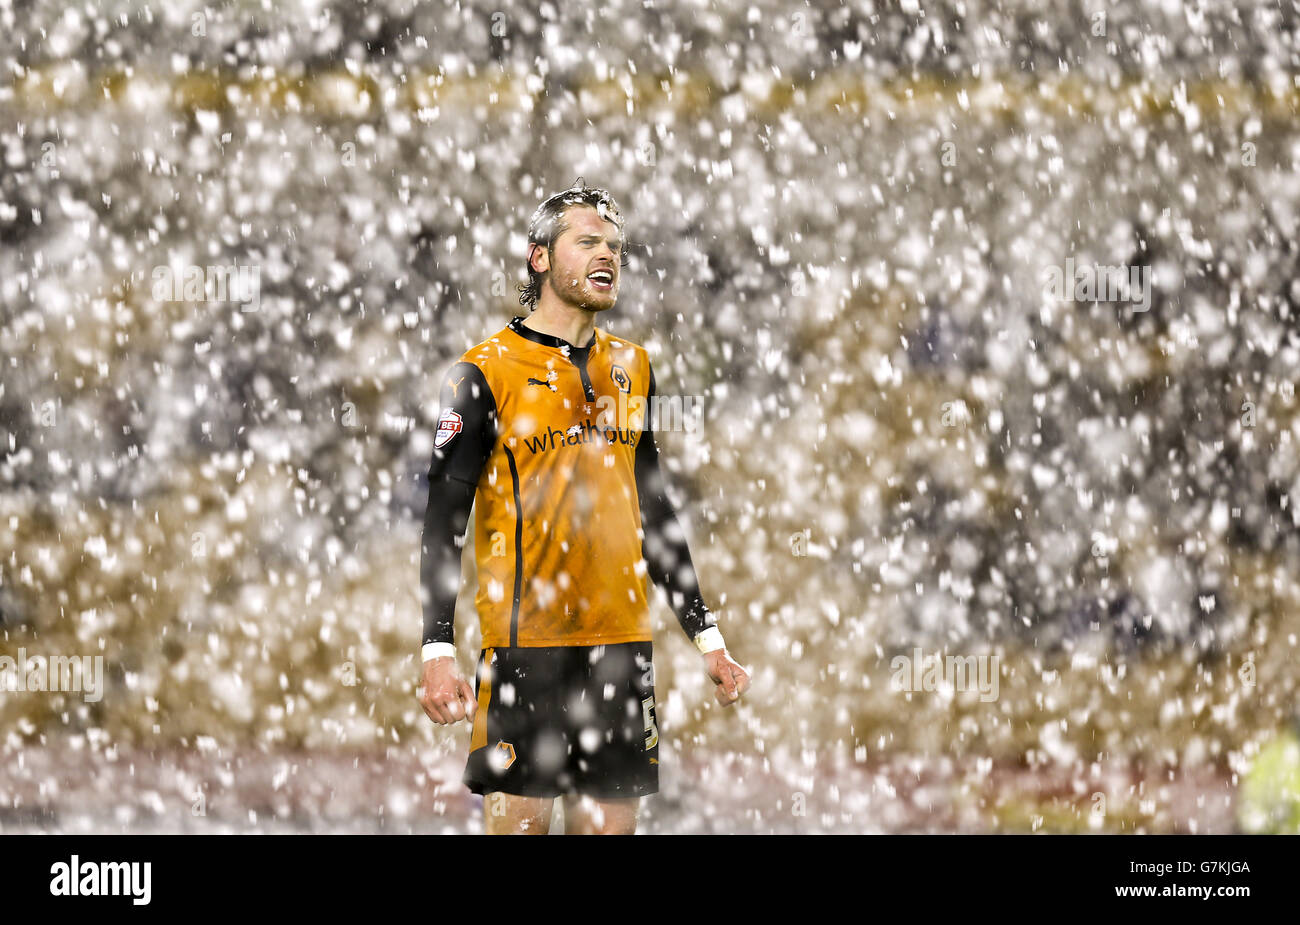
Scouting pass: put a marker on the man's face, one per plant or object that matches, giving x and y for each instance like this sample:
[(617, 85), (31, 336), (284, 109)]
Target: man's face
[(584, 260)]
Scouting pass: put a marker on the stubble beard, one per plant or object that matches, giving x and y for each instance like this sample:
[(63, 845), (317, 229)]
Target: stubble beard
[(573, 291)]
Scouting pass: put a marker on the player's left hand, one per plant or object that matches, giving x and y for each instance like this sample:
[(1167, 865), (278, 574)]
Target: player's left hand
[(732, 680)]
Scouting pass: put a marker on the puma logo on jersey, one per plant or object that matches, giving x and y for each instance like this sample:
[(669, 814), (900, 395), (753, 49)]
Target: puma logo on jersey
[(532, 381), (455, 386)]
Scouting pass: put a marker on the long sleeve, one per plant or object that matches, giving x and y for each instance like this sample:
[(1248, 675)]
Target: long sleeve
[(667, 556), (462, 444)]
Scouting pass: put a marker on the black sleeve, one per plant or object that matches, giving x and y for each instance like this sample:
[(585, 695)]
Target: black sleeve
[(664, 545), (462, 444)]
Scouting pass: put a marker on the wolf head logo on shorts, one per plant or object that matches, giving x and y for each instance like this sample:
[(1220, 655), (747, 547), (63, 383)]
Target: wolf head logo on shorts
[(503, 756), (449, 425)]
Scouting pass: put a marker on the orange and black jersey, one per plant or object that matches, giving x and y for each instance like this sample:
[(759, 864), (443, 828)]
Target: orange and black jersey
[(553, 446)]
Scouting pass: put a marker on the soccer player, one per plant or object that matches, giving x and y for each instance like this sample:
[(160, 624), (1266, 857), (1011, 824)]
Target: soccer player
[(539, 431)]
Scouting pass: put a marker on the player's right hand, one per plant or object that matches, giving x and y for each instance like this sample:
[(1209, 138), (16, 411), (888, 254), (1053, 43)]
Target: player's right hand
[(444, 694)]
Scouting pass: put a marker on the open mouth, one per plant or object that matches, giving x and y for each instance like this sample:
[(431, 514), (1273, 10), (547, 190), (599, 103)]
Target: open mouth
[(602, 280)]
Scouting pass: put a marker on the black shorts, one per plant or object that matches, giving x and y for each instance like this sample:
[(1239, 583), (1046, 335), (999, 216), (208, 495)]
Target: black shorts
[(558, 720)]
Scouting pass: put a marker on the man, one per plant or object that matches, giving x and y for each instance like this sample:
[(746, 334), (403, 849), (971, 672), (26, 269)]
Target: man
[(571, 514)]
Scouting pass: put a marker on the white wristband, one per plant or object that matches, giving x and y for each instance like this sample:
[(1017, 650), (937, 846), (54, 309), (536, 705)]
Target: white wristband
[(437, 650), (709, 640)]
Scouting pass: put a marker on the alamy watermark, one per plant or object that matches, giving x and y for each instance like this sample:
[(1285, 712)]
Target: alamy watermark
[(1091, 283), (660, 413), (75, 877), (240, 283), (82, 674), (931, 672)]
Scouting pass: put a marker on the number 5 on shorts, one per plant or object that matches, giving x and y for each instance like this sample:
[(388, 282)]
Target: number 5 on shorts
[(651, 726)]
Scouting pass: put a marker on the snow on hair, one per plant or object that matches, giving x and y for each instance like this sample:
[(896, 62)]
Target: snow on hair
[(547, 224)]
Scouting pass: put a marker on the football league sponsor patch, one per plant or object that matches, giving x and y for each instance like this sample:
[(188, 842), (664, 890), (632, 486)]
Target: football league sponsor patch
[(449, 425)]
